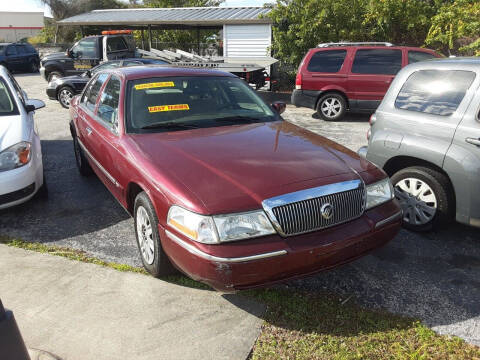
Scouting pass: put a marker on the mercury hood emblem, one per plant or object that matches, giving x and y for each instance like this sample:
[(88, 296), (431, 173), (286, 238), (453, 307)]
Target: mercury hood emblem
[(327, 211)]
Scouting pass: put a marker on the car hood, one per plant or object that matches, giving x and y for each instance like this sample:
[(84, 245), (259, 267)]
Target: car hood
[(11, 131), (234, 168), (73, 78), (55, 56)]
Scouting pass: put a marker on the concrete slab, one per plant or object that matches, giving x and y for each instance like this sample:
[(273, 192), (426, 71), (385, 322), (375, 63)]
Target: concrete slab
[(84, 311)]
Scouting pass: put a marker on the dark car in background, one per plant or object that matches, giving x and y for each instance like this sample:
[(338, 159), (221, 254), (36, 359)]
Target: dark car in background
[(19, 57), (336, 77), (63, 89)]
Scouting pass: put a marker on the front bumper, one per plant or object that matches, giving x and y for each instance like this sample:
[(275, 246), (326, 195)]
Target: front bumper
[(51, 93), (270, 259), (362, 152)]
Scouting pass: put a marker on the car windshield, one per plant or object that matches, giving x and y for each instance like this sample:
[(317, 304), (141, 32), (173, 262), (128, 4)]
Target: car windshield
[(177, 103), (7, 106)]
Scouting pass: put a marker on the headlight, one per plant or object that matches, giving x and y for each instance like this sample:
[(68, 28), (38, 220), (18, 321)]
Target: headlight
[(216, 229), (15, 156), (379, 192)]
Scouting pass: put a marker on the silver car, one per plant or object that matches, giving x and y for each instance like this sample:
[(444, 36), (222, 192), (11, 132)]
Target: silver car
[(426, 136)]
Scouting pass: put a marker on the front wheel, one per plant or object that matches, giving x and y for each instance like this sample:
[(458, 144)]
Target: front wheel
[(54, 75), (425, 196), (153, 257), (65, 95), (331, 107), (33, 66)]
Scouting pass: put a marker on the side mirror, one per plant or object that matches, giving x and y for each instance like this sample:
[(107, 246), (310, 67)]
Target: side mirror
[(279, 106), (69, 52), (88, 73), (33, 104)]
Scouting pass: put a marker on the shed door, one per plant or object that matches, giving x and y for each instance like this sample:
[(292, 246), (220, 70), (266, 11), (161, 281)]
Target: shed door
[(247, 40)]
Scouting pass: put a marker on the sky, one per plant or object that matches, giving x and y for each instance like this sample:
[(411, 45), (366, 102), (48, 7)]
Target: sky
[(36, 5)]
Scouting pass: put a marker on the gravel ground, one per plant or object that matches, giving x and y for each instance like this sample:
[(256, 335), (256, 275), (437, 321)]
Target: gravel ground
[(434, 276)]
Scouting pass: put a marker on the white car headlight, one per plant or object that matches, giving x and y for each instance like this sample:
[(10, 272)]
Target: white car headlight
[(379, 193), (222, 228), (15, 156)]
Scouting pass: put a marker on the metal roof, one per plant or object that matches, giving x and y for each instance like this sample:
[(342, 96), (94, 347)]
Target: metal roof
[(161, 16)]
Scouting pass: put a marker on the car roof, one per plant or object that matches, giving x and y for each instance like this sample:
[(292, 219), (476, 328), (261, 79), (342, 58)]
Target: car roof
[(146, 71), (370, 47), (456, 63)]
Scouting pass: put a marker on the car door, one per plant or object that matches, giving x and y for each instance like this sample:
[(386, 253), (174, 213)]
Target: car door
[(22, 57), (86, 112), (13, 59), (371, 74), (104, 138), (325, 69), (85, 55), (463, 163)]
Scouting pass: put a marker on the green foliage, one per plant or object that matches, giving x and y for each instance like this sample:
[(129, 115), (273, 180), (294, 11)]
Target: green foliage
[(456, 26)]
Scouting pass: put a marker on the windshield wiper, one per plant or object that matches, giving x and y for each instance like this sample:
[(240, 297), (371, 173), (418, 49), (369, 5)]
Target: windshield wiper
[(169, 125), (244, 119)]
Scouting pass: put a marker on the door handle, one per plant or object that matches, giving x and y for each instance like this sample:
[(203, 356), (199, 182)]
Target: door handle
[(473, 141), (89, 131)]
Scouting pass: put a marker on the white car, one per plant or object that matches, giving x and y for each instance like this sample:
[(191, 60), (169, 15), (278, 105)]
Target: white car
[(21, 167)]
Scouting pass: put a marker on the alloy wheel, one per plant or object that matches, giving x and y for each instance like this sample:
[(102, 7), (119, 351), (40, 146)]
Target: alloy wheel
[(417, 200), (65, 96), (331, 107), (145, 235)]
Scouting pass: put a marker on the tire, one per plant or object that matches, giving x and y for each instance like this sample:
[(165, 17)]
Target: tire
[(65, 95), (82, 163), (42, 193), (54, 74), (33, 67), (426, 197), (154, 259), (332, 107)]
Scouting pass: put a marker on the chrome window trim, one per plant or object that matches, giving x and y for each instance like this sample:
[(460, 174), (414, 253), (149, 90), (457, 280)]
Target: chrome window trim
[(194, 251), (285, 199)]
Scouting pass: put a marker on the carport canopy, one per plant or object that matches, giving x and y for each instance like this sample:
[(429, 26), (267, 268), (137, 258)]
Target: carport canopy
[(171, 18)]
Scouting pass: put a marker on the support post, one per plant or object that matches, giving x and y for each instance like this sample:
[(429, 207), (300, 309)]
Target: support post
[(143, 40), (149, 37), (198, 41)]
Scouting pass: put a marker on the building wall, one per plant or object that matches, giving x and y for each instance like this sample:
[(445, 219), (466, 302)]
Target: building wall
[(18, 25), (251, 40)]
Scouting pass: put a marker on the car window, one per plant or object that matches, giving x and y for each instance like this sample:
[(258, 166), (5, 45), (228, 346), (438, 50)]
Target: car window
[(90, 96), (377, 61), (11, 50), (2, 48), (85, 49), (116, 44), (7, 104), (327, 61), (437, 92), (21, 49), (108, 104), (196, 101), (104, 66), (416, 56), (131, 63), (29, 48)]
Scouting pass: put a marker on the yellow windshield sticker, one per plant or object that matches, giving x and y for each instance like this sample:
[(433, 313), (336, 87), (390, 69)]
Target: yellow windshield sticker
[(82, 66), (160, 108), (154, 85)]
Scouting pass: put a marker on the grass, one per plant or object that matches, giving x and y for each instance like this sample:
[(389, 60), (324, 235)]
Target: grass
[(316, 326)]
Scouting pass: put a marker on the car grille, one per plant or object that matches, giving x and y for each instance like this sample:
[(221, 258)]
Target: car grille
[(306, 215)]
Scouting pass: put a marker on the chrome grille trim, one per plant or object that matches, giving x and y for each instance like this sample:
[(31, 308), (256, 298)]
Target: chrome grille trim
[(299, 212)]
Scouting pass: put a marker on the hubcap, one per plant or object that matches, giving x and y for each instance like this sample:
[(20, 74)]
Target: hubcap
[(417, 200), (331, 107), (145, 235), (65, 96)]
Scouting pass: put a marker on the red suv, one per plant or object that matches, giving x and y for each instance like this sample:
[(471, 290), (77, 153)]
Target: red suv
[(335, 77)]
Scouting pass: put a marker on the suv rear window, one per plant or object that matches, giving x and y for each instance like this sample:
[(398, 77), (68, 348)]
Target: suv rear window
[(329, 61), (377, 61), (437, 92)]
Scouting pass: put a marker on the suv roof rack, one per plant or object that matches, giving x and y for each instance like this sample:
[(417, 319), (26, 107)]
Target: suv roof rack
[(346, 43)]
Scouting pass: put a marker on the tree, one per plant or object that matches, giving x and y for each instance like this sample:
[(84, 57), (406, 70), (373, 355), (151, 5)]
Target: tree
[(403, 22), (456, 26)]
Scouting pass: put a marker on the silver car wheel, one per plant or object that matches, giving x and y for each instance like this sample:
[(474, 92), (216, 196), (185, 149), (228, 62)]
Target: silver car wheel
[(145, 235), (417, 200), (331, 107), (65, 96)]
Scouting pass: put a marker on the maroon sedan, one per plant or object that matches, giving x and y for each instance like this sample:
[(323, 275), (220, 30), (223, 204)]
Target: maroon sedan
[(219, 185)]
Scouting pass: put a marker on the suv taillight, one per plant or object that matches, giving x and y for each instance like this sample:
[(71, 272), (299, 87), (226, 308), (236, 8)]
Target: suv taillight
[(298, 81)]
